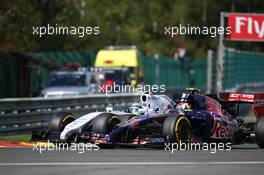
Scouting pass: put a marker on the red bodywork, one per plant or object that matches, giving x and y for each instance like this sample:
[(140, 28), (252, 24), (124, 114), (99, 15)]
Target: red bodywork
[(256, 99)]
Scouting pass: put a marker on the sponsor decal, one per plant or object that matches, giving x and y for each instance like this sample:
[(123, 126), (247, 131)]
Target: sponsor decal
[(241, 97), (259, 103), (220, 131), (246, 26), (156, 140)]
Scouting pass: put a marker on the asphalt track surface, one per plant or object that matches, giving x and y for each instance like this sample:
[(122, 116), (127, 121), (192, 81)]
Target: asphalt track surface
[(244, 159)]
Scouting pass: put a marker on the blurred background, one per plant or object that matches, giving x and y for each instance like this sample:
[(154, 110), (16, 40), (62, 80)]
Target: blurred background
[(27, 61), (131, 49)]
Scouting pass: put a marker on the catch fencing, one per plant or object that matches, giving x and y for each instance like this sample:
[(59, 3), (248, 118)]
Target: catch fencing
[(175, 73), (241, 69)]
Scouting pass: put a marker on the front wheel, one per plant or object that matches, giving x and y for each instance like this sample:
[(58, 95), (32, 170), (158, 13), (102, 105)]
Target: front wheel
[(104, 124), (177, 129), (126, 117), (260, 132), (59, 121)]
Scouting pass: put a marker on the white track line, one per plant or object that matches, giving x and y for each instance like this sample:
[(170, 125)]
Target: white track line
[(131, 163)]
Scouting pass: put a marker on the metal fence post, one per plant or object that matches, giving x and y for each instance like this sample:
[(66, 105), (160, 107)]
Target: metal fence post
[(156, 56), (209, 71), (220, 59)]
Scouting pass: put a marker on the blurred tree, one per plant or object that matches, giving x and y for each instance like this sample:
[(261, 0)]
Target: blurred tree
[(121, 22)]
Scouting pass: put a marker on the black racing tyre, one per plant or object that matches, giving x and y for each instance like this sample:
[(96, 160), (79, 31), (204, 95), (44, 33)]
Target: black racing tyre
[(176, 129), (59, 121), (260, 132), (105, 122), (126, 117)]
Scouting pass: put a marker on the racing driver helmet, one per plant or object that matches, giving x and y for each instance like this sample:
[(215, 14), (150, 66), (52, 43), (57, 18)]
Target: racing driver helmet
[(136, 109), (183, 106)]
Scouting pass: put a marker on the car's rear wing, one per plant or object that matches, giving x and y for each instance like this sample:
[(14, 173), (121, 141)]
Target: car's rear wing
[(256, 99)]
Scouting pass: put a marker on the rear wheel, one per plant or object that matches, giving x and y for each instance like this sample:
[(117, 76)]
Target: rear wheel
[(260, 132), (177, 129)]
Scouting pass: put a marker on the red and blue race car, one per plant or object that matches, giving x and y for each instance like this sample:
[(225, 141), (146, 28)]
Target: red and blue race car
[(157, 120)]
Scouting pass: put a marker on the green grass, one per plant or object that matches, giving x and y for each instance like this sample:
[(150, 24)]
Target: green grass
[(15, 138)]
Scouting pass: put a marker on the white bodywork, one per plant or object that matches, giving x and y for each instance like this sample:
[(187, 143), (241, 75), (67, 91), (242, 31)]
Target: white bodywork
[(158, 103), (153, 103), (77, 124), (80, 123)]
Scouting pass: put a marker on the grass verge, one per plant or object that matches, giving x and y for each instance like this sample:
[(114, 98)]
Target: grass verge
[(15, 138)]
